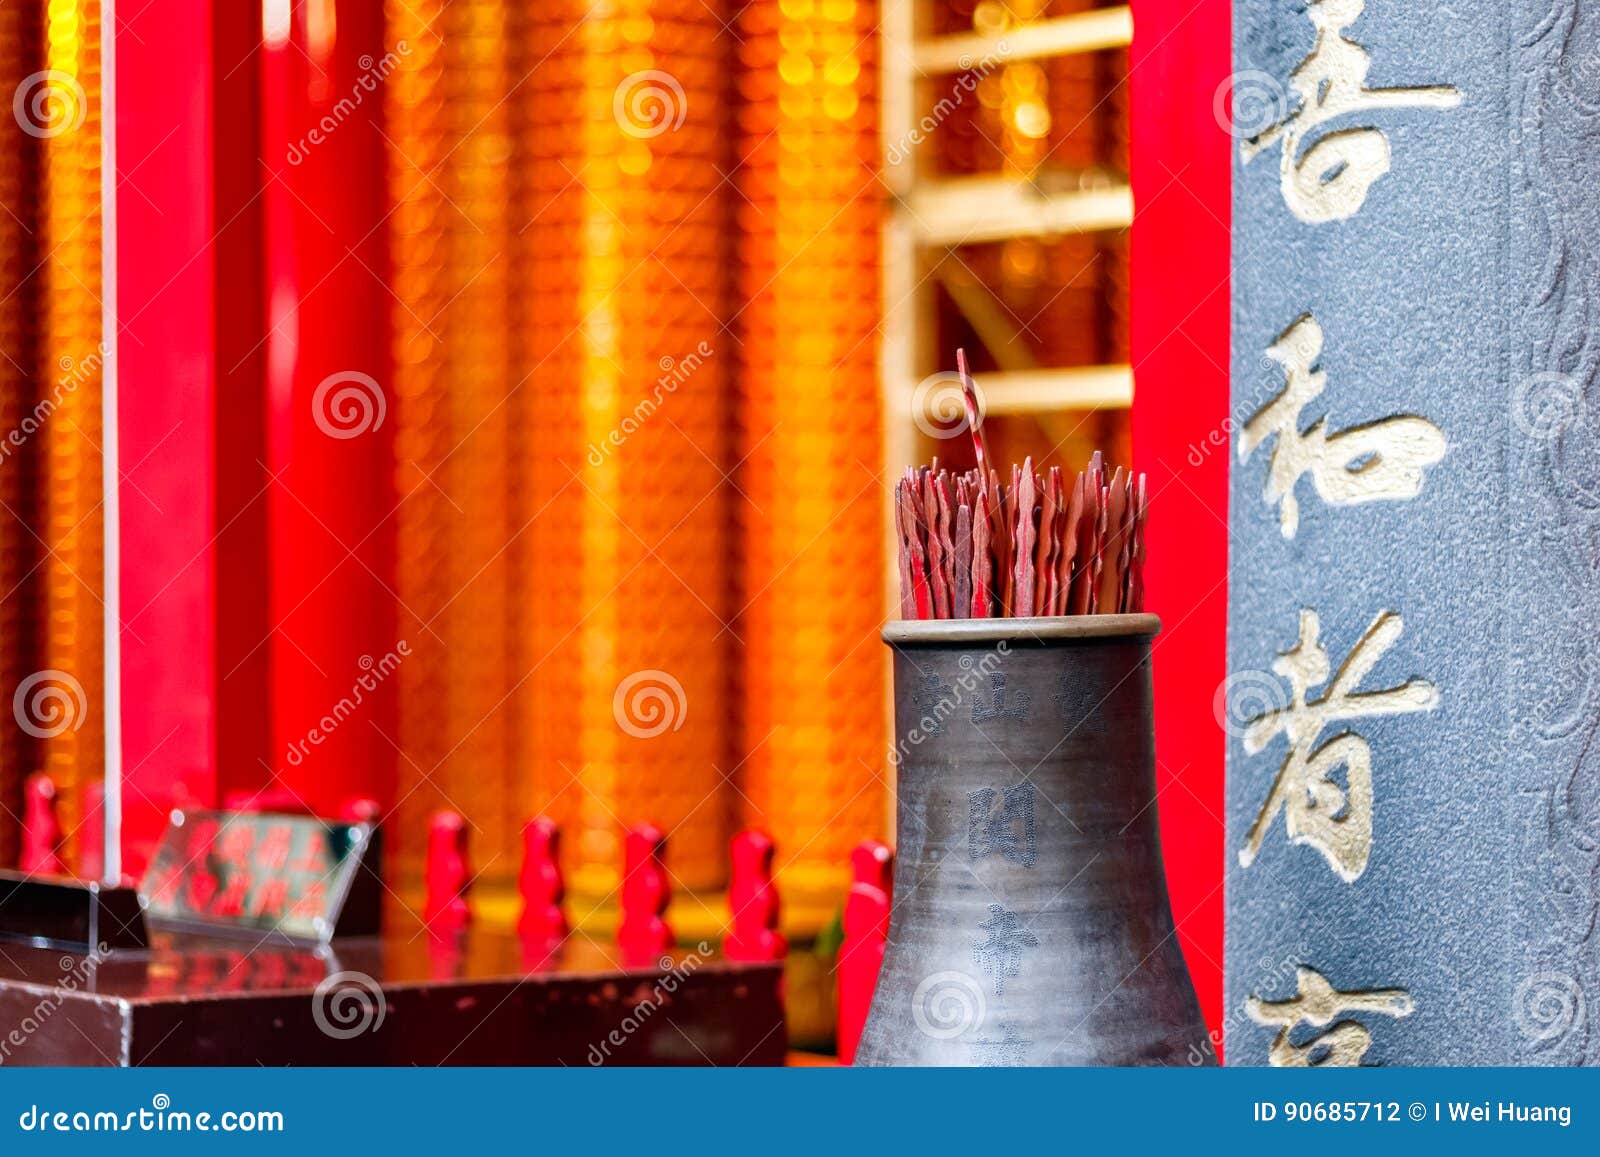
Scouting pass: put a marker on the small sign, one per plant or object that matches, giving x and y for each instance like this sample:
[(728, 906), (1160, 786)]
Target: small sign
[(298, 877)]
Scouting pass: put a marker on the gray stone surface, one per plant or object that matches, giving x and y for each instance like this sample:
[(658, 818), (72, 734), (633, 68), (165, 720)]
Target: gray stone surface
[(1461, 292)]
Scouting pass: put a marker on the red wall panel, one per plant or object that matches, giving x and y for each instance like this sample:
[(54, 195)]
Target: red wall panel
[(1181, 185), (166, 295), (328, 437), (256, 554)]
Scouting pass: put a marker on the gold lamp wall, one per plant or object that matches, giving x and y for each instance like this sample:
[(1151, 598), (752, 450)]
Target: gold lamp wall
[(455, 371), (20, 54), (810, 501), (421, 232), (73, 572), (562, 425), (632, 427), (51, 575), (475, 474)]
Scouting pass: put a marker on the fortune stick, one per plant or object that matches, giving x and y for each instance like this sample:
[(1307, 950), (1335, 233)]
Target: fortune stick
[(970, 548)]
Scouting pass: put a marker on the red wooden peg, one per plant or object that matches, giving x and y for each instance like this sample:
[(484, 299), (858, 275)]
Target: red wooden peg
[(448, 872), (866, 932), (540, 882), (643, 932), (753, 897), (361, 810), (41, 828)]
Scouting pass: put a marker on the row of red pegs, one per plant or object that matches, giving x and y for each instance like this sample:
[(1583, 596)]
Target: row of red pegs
[(643, 932)]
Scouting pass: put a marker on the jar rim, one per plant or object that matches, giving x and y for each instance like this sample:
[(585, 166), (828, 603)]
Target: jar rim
[(1039, 628)]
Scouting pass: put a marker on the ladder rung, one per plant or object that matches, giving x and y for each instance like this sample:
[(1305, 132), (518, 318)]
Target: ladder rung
[(1044, 391), (1062, 36), (973, 210)]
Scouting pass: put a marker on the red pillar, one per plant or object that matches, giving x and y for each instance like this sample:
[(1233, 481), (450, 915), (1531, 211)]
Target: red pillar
[(329, 444), (181, 278), (1181, 185), (242, 281)]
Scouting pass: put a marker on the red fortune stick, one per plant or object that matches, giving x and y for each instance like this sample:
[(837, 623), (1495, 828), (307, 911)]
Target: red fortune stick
[(982, 563), (1025, 535), (937, 559), (970, 547), (963, 561), (969, 397), (1045, 551)]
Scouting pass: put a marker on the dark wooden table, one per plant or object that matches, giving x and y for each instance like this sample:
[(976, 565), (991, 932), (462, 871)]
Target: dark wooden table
[(408, 998)]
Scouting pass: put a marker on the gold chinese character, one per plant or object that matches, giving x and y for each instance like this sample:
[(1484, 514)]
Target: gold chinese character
[(1379, 460), (1317, 1003), (1329, 181), (1335, 820)]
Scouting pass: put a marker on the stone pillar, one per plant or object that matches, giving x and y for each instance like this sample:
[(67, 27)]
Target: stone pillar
[(1411, 707)]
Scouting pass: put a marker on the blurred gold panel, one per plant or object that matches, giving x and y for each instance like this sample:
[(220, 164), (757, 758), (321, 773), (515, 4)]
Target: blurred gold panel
[(631, 548), (551, 205), (475, 328), (459, 361), (422, 228), (563, 426), (73, 572), (21, 54), (810, 499)]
